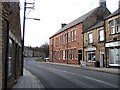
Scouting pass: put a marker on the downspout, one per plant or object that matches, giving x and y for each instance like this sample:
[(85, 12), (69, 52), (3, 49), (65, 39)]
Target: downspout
[(83, 39), (67, 46), (105, 43)]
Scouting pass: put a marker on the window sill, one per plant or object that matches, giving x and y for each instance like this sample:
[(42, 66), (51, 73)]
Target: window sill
[(91, 61), (114, 34), (101, 41)]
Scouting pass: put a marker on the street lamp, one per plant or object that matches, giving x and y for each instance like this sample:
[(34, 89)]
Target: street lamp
[(34, 19), (23, 36)]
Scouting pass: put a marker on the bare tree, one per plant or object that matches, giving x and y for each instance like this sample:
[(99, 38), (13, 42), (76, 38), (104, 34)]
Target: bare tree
[(45, 49)]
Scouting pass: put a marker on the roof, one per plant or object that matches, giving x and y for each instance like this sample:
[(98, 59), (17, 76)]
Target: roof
[(114, 13), (99, 24), (75, 22)]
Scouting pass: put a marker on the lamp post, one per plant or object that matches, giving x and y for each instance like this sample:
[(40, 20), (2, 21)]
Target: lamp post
[(23, 36)]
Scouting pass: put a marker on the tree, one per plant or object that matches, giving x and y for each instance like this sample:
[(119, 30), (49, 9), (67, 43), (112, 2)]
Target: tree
[(45, 49)]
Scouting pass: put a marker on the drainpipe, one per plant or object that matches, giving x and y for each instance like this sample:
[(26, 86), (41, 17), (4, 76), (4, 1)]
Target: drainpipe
[(22, 52), (67, 46), (83, 40), (104, 44), (6, 57)]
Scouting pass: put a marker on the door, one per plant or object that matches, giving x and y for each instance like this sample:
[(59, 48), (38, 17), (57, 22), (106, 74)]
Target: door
[(79, 56), (101, 60)]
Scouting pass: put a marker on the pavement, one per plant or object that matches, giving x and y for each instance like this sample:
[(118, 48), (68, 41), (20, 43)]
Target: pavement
[(28, 80), (99, 69)]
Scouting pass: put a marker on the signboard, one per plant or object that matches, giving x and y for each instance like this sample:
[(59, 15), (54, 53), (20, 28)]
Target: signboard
[(90, 49), (112, 44)]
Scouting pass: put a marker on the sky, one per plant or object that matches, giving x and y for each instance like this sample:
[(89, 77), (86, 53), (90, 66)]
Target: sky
[(52, 13)]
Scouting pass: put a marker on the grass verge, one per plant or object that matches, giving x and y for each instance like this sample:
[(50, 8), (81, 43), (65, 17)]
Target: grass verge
[(40, 60)]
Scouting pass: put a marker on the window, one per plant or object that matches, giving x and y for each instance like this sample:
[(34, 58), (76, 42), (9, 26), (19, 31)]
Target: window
[(61, 54), (118, 25), (112, 30), (91, 55), (114, 55), (66, 54), (101, 35), (90, 38), (74, 53), (68, 36), (74, 35), (10, 57)]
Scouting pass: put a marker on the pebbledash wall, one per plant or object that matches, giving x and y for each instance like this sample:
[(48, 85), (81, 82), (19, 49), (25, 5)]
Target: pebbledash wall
[(10, 44)]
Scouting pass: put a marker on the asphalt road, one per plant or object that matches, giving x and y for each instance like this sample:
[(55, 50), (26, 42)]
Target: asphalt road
[(58, 76)]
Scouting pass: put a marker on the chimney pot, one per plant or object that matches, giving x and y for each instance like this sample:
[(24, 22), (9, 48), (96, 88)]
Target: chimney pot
[(63, 24)]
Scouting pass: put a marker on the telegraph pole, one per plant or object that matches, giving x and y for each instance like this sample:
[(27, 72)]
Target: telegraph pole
[(23, 36)]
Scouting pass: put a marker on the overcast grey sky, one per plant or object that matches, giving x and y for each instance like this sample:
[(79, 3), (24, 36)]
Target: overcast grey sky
[(54, 12)]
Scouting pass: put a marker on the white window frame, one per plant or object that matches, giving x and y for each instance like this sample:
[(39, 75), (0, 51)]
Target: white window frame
[(90, 39), (112, 29), (74, 35), (117, 25), (101, 36)]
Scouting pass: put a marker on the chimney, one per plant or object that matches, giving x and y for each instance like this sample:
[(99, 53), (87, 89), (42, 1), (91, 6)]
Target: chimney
[(63, 24), (102, 3)]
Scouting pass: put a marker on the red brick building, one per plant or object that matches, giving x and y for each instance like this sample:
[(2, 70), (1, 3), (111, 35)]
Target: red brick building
[(66, 45)]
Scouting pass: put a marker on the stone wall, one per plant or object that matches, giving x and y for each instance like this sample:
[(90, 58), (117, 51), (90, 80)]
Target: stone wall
[(0, 45)]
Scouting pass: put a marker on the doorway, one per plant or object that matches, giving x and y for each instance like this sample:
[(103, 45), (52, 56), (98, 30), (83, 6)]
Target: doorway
[(79, 56), (102, 59)]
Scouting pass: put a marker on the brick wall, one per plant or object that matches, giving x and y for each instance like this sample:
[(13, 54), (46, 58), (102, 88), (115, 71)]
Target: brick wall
[(70, 45)]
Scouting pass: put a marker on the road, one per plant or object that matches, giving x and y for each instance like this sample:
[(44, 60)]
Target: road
[(58, 76)]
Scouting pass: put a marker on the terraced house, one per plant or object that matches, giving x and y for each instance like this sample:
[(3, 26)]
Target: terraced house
[(94, 50), (10, 44), (112, 37), (66, 45)]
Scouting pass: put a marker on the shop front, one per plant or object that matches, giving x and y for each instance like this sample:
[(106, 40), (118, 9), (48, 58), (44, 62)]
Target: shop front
[(90, 56), (113, 50)]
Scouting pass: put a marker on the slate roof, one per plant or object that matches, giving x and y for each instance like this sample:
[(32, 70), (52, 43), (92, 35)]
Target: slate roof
[(114, 13), (75, 22), (99, 24)]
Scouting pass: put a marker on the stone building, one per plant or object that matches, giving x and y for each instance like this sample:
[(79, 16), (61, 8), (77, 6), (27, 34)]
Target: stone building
[(112, 37), (94, 49), (10, 44), (66, 45)]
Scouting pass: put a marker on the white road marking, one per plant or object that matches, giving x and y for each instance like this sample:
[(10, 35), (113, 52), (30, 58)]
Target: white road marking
[(86, 77), (83, 76)]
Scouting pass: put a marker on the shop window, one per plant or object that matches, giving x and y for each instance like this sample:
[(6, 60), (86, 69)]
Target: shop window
[(118, 25), (10, 57), (112, 29), (114, 55), (91, 56)]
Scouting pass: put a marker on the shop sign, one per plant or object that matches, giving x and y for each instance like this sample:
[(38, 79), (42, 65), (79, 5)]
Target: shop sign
[(90, 49), (112, 44)]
